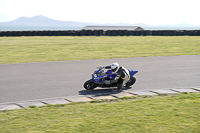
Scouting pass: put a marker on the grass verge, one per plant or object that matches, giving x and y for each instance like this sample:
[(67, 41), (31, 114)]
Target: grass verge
[(60, 48), (166, 114)]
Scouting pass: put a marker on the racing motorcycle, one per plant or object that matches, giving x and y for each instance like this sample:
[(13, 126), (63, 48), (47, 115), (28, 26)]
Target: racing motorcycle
[(101, 75)]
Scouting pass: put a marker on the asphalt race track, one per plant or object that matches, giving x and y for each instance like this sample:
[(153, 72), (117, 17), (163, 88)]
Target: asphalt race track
[(30, 81)]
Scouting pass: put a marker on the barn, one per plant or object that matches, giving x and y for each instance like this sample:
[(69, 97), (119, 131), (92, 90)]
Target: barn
[(105, 28)]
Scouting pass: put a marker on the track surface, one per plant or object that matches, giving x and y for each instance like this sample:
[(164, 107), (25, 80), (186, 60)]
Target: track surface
[(29, 81)]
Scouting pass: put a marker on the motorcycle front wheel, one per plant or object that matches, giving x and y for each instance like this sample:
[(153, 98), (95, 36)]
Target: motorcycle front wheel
[(89, 85), (131, 82)]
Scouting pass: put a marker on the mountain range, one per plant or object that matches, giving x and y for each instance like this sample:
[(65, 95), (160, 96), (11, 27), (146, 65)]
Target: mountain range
[(48, 22)]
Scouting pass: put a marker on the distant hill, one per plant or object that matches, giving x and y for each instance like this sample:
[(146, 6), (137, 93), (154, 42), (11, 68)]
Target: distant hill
[(41, 21), (48, 22), (179, 25), (45, 21)]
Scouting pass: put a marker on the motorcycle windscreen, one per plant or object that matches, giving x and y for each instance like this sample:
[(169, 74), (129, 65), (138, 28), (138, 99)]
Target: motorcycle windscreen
[(132, 72)]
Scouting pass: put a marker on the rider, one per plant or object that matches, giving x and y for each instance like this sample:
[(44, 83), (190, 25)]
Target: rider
[(122, 77)]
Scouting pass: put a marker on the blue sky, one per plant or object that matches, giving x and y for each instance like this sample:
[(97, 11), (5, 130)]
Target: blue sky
[(153, 12)]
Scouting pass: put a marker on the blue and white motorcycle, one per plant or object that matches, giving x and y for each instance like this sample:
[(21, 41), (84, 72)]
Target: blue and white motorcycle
[(100, 76)]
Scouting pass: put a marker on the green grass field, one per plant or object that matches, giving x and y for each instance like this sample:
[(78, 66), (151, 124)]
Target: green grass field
[(168, 114), (42, 49)]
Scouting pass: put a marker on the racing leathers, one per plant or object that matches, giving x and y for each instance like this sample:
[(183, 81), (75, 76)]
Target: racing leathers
[(121, 79)]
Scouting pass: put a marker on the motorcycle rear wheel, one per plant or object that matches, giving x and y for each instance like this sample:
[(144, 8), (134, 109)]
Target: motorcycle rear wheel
[(89, 85)]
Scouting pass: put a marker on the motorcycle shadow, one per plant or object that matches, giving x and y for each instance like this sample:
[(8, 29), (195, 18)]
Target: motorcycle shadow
[(101, 91)]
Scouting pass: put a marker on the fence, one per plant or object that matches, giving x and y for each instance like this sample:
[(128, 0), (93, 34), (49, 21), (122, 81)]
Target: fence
[(102, 33)]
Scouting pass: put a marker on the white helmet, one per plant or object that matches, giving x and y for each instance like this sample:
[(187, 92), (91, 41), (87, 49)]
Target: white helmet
[(115, 67)]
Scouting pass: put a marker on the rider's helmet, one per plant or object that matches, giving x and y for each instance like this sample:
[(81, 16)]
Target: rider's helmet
[(115, 67)]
